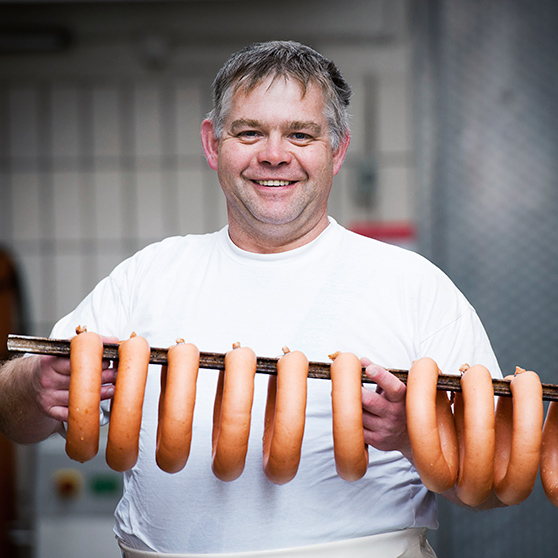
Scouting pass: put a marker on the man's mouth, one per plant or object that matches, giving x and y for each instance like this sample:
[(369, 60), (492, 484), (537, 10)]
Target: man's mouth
[(274, 182)]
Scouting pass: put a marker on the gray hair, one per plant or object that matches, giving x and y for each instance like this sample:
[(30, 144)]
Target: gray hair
[(287, 59)]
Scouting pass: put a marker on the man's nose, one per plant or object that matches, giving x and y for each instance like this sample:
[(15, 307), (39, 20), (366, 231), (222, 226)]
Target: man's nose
[(274, 152)]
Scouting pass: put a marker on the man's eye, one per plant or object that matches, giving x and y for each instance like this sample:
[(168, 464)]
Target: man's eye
[(300, 136), (248, 134)]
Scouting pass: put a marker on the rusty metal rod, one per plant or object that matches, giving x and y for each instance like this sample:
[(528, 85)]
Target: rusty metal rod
[(265, 365)]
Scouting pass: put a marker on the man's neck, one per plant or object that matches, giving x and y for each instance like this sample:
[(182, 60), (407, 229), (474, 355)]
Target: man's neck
[(273, 239)]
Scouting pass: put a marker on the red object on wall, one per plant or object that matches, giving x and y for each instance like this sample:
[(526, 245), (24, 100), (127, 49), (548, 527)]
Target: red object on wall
[(401, 233)]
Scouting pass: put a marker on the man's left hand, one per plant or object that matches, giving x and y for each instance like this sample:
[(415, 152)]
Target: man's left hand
[(384, 414)]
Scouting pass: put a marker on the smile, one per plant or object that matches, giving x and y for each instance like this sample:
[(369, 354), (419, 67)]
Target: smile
[(274, 182)]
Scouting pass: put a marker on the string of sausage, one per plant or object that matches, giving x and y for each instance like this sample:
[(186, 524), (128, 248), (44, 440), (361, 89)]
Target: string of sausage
[(510, 468), (264, 365)]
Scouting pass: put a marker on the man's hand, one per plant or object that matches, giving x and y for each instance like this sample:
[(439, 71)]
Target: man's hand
[(51, 383), (384, 414), (34, 395)]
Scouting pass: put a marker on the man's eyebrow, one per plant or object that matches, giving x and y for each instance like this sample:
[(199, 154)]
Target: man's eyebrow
[(244, 123), (313, 127)]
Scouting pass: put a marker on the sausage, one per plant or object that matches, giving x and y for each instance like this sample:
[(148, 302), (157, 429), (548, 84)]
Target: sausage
[(518, 424), (431, 427), (285, 415), (86, 368), (126, 409), (474, 421), (350, 451), (549, 454), (176, 406), (232, 413)]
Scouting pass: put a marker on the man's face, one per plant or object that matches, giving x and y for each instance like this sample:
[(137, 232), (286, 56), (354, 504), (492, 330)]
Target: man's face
[(275, 164)]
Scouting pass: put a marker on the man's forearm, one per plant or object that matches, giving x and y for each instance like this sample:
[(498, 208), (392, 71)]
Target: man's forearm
[(21, 418)]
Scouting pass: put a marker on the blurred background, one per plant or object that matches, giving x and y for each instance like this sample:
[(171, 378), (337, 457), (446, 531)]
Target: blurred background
[(454, 154)]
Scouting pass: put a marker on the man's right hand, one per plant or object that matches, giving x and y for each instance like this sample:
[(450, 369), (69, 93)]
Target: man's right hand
[(34, 395), (52, 384)]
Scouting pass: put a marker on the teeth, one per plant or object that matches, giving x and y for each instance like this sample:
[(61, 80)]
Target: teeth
[(273, 182)]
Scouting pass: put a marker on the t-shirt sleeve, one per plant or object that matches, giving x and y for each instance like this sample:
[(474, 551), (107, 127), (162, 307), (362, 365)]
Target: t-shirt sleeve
[(103, 311), (451, 331), (463, 341)]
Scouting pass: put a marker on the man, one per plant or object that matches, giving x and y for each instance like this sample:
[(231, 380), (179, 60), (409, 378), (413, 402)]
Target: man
[(281, 273)]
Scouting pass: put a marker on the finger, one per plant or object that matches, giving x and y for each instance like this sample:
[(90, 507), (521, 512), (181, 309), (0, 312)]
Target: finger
[(365, 361), (60, 398), (375, 404), (59, 413), (107, 392), (392, 388), (50, 381), (107, 363), (61, 365), (53, 402), (369, 420), (108, 376), (378, 432), (109, 339)]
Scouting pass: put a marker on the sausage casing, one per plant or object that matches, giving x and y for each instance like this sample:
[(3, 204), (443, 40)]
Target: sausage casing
[(285, 415), (549, 454), (86, 366), (126, 409), (232, 414), (350, 451), (474, 421), (519, 422), (176, 406), (431, 427)]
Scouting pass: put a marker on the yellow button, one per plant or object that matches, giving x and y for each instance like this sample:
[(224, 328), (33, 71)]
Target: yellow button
[(68, 483)]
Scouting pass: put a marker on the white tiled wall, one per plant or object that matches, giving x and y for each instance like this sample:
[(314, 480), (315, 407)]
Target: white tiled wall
[(105, 121), (91, 175), (93, 168)]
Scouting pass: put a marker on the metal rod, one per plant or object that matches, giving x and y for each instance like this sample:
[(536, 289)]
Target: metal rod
[(265, 365)]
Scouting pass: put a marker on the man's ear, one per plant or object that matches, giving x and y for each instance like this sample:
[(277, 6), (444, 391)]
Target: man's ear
[(340, 152), (209, 143)]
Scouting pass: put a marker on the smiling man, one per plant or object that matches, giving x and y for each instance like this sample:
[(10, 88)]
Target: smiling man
[(282, 273), (275, 162)]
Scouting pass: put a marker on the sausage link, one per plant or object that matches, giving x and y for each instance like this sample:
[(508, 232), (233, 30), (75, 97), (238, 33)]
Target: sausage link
[(86, 367), (431, 427), (350, 451), (176, 406), (285, 415), (232, 414), (549, 454), (474, 421), (126, 410), (518, 424)]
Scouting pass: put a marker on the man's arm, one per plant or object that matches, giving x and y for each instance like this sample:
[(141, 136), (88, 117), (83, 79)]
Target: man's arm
[(33, 393)]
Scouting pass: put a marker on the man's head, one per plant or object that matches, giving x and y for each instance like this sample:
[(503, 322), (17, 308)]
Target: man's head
[(277, 136), (288, 60)]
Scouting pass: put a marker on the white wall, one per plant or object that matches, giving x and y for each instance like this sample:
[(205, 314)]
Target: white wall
[(99, 150)]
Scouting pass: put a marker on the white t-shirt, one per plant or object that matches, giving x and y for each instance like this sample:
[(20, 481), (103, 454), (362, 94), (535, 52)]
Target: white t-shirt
[(341, 292)]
